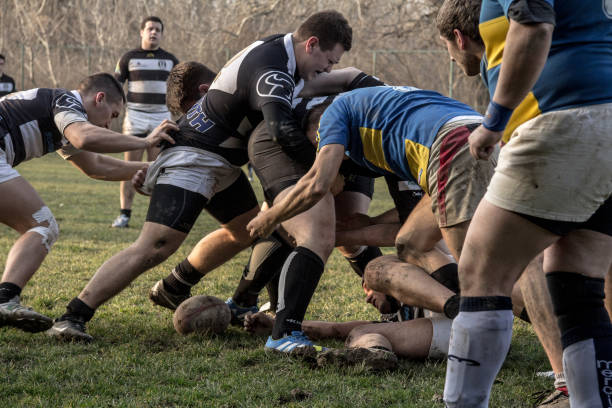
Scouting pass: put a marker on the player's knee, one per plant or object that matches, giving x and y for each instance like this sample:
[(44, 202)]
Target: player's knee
[(47, 227), (363, 336), (375, 271)]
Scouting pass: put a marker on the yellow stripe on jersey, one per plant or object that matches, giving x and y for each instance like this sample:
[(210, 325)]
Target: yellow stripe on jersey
[(417, 156), (372, 147), (528, 109), (493, 33)]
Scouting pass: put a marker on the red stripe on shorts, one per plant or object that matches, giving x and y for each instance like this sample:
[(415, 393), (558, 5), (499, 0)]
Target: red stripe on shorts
[(451, 144)]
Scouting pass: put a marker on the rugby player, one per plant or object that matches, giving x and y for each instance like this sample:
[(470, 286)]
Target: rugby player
[(202, 170), (545, 66), (74, 123), (427, 145), (145, 69)]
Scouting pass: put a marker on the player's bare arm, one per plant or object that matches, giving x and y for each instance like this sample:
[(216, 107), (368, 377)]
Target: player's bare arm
[(330, 83), (307, 192), (525, 53), (101, 167), (86, 136)]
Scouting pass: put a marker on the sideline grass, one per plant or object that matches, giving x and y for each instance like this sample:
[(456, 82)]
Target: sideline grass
[(138, 360)]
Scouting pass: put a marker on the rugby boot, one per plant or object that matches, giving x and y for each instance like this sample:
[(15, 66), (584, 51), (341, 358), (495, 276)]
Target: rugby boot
[(13, 313), (160, 296), (238, 312), (69, 330), (122, 221)]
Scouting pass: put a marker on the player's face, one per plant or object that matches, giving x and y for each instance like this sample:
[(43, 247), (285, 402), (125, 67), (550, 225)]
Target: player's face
[(151, 35), (317, 61), (470, 64), (102, 112), (378, 300)]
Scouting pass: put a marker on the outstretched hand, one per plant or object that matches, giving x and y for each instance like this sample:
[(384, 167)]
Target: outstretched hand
[(482, 142), (160, 133)]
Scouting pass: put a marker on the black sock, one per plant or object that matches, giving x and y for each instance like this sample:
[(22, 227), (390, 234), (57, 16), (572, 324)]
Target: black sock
[(448, 276), (78, 310), (126, 211), (267, 258), (299, 279), (8, 291), (359, 262), (524, 316), (182, 278), (272, 289), (586, 336)]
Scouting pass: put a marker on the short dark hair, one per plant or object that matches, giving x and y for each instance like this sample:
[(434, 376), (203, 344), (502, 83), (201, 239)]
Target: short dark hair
[(151, 18), (313, 116), (2, 57), (463, 15), (330, 27), (182, 85), (102, 82)]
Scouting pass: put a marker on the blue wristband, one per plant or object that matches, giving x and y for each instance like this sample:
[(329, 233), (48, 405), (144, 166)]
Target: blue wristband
[(497, 117)]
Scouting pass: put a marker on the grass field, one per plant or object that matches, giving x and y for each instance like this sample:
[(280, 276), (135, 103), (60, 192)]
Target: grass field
[(138, 360)]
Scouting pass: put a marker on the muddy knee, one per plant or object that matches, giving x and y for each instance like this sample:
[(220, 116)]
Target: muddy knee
[(360, 337)]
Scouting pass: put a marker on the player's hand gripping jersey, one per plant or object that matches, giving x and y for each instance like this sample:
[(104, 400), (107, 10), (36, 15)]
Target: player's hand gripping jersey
[(579, 64), (390, 130), (32, 122), (259, 82)]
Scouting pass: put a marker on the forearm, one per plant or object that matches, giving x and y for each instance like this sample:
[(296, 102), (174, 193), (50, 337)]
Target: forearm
[(101, 167), (525, 54), (390, 216), (96, 139)]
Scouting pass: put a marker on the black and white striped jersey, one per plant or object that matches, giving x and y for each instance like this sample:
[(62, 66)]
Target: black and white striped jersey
[(32, 122), (146, 72), (222, 120)]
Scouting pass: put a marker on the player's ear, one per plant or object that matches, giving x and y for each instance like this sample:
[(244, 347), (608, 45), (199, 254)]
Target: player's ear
[(99, 98), (203, 88), (311, 42), (460, 39)]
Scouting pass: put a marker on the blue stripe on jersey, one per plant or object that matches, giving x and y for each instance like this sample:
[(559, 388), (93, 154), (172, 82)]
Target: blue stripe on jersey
[(579, 65), (389, 130)]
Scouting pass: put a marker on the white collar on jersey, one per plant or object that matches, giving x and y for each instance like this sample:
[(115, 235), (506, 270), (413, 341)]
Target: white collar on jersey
[(78, 96), (291, 63)]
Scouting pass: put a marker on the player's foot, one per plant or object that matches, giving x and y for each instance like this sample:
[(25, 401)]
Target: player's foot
[(69, 330), (239, 312), (372, 358), (122, 221), (259, 323), (13, 313), (160, 296), (290, 343), (557, 399)]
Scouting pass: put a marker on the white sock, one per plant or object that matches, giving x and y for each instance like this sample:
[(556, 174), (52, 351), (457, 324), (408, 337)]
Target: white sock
[(479, 343)]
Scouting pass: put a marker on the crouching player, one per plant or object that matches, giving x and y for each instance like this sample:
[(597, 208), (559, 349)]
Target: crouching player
[(74, 123)]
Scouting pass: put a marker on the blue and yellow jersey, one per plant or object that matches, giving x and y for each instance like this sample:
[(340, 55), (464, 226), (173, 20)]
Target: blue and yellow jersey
[(578, 70), (389, 130)]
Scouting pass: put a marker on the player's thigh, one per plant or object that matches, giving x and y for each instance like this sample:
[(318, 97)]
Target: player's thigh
[(314, 228), (583, 251), (18, 204), (355, 197), (454, 237), (420, 231)]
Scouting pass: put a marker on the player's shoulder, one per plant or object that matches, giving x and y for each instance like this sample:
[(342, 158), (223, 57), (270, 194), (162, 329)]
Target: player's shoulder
[(6, 78), (163, 53), (271, 51)]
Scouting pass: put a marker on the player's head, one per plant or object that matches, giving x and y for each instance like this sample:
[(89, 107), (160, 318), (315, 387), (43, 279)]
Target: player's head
[(380, 301), (151, 33), (457, 23), (310, 123), (320, 42), (103, 98), (187, 82), (2, 61)]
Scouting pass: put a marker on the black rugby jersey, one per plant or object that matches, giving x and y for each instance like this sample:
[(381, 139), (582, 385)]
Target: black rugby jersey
[(146, 72), (7, 85), (35, 121), (222, 120)]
